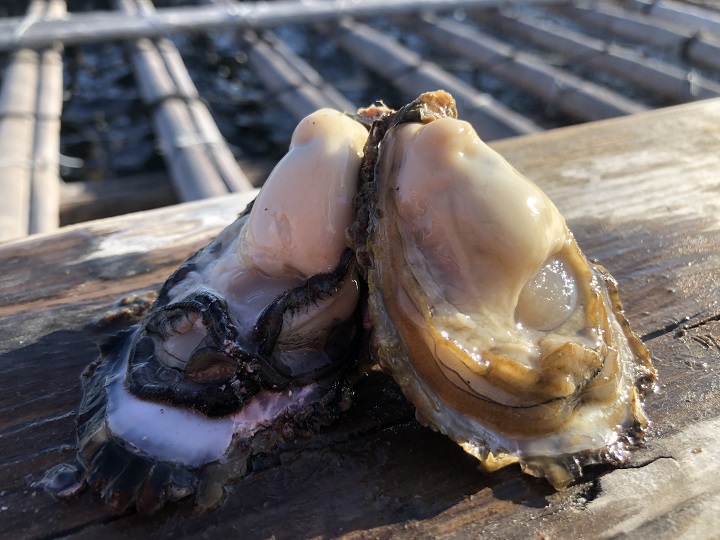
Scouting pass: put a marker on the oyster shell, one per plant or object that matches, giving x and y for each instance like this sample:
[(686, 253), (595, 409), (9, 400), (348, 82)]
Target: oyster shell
[(246, 345), (485, 311)]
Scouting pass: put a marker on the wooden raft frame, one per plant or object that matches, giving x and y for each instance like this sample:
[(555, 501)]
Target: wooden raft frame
[(641, 194)]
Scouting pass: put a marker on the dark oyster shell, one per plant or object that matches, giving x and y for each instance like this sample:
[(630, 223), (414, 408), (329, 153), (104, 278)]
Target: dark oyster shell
[(246, 346)]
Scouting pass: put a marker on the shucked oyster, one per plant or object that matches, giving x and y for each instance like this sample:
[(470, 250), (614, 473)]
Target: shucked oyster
[(484, 309), (246, 345)]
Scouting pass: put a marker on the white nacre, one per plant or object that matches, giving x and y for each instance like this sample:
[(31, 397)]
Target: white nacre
[(184, 436)]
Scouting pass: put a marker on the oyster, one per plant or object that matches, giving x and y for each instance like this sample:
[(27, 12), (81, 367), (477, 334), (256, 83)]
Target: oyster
[(246, 345), (485, 311)]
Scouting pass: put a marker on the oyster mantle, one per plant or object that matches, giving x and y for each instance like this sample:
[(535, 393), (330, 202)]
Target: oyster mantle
[(485, 311)]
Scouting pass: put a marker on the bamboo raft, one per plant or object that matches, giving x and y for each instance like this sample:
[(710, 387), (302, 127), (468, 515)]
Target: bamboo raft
[(639, 191), (575, 60)]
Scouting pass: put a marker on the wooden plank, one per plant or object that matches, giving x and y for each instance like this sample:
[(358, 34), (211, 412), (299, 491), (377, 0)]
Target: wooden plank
[(640, 194), (99, 26)]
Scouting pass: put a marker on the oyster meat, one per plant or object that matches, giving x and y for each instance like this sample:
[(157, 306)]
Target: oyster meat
[(485, 311), (246, 346)]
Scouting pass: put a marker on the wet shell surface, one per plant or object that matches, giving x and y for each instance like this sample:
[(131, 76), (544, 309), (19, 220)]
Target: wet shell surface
[(245, 347), (484, 309)]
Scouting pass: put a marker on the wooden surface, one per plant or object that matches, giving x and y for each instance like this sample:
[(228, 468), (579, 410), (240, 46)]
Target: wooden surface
[(641, 194)]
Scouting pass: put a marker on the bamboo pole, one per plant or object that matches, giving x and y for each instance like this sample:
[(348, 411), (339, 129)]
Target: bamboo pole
[(174, 129), (91, 27), (680, 13), (45, 182), (333, 98), (206, 131), (673, 83), (296, 85), (581, 99), (711, 5), (17, 107), (405, 70), (294, 82), (45, 176), (200, 163), (686, 43), (30, 108)]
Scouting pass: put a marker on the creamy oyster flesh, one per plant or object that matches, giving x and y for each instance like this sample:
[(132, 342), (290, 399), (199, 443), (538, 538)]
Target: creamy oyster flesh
[(295, 230), (487, 313), (246, 346), (297, 226), (473, 241), (301, 216)]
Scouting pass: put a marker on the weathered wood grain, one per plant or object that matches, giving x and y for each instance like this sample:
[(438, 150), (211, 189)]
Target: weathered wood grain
[(640, 193)]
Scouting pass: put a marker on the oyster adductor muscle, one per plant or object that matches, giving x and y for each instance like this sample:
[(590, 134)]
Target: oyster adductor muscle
[(246, 346), (484, 309)]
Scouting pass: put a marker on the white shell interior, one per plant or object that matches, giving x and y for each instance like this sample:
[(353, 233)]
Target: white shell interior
[(184, 436)]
